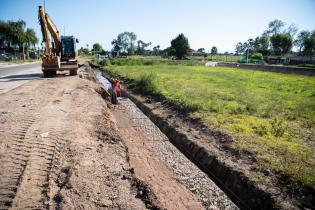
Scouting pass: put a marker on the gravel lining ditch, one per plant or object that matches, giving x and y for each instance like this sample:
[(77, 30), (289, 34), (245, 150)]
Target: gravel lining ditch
[(210, 195)]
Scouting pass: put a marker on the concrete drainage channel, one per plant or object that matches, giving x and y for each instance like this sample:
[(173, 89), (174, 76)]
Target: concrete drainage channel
[(192, 164)]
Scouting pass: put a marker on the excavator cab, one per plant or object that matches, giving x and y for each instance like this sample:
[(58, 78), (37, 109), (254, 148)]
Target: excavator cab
[(68, 44)]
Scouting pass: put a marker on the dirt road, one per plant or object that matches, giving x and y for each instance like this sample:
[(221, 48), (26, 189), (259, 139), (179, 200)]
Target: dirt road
[(60, 148)]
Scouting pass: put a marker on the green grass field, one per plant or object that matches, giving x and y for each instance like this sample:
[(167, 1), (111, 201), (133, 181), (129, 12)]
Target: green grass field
[(271, 115)]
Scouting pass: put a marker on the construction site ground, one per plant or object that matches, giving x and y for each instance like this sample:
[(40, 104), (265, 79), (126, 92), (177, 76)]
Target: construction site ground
[(63, 146)]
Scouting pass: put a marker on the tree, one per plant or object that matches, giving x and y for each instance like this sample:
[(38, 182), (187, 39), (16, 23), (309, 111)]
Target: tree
[(156, 50), (300, 40), (281, 43), (168, 52), (201, 50), (309, 45), (181, 46), (214, 50), (250, 45), (291, 30), (261, 44), (13, 34), (31, 38), (116, 46), (97, 47), (125, 42), (274, 27), (17, 32), (247, 47), (141, 47), (4, 33), (84, 51), (239, 48)]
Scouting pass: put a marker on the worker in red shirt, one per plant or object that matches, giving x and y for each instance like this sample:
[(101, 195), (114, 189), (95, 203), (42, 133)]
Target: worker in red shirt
[(116, 92), (117, 87)]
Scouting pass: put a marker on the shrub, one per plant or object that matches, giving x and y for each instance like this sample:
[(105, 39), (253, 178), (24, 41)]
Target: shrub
[(278, 127), (146, 83), (257, 56), (260, 130)]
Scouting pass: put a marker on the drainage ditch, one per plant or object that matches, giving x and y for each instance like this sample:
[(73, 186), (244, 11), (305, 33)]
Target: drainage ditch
[(243, 192)]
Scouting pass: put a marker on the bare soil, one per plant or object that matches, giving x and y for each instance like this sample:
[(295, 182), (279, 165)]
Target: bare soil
[(151, 169), (60, 148), (54, 151)]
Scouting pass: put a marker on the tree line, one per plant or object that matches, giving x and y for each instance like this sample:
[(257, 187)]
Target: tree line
[(15, 37), (278, 40), (275, 40), (126, 43)]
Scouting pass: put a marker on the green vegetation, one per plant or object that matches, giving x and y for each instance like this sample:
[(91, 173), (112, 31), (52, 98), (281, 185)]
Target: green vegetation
[(151, 60), (180, 47), (279, 41), (14, 37), (214, 50), (125, 43), (270, 115)]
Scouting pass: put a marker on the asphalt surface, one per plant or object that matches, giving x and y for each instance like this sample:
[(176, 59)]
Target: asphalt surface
[(14, 76)]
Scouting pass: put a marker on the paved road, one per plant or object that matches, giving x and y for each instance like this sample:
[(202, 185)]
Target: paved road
[(14, 76)]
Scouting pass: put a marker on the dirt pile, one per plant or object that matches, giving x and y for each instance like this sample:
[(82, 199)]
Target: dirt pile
[(59, 148)]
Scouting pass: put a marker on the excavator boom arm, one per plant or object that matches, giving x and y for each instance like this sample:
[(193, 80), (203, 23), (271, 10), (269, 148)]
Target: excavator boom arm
[(48, 26), (44, 29), (54, 33)]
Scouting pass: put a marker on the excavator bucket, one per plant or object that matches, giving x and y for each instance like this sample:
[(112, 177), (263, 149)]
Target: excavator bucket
[(51, 63)]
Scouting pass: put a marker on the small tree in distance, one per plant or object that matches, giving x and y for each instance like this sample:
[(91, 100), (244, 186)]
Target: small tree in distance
[(97, 47), (180, 47), (214, 50)]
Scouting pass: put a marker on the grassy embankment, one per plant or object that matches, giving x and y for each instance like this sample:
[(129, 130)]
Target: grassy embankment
[(271, 115)]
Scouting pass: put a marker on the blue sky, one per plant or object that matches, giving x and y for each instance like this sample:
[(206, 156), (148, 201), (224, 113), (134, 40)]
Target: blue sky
[(206, 23)]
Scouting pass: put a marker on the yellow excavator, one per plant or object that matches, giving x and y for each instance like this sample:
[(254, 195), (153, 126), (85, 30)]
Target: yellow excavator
[(60, 54)]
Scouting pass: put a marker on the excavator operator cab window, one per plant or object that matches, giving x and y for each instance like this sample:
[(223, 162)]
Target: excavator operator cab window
[(68, 46)]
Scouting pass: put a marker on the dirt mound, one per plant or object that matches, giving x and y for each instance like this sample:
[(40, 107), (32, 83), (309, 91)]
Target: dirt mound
[(52, 154)]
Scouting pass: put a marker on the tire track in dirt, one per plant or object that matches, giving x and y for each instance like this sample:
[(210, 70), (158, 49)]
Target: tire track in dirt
[(27, 163), (33, 192), (29, 147), (14, 161)]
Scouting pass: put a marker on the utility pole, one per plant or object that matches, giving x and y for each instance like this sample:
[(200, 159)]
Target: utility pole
[(64, 30), (44, 5)]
